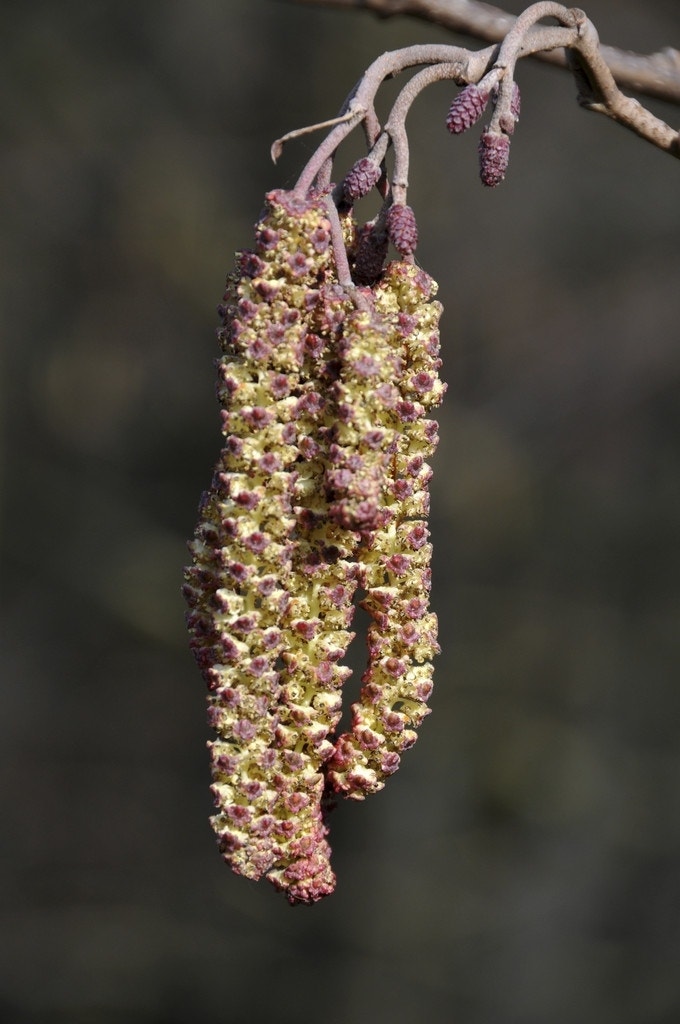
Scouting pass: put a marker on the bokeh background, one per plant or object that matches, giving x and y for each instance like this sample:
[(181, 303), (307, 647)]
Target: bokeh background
[(523, 867)]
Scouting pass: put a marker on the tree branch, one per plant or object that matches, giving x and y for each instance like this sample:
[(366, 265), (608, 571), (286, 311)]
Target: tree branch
[(656, 74), (575, 35)]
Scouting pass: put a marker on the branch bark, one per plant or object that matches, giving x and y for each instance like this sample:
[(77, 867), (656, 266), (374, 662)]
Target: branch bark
[(575, 36), (656, 74)]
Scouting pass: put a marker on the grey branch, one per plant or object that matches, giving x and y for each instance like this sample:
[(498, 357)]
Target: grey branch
[(575, 35), (656, 74)]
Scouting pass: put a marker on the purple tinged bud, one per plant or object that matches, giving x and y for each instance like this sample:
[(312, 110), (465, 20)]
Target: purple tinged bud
[(267, 759), (423, 691), (257, 542), (361, 179), (374, 438), (245, 624), (402, 229), (267, 585), (466, 109), (247, 499), (402, 489), (494, 154)]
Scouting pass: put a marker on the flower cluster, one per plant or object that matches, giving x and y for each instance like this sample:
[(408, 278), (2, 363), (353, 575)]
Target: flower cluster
[(319, 495), (394, 559)]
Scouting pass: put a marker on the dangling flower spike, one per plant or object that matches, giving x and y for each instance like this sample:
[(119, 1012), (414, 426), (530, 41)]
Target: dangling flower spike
[(319, 501)]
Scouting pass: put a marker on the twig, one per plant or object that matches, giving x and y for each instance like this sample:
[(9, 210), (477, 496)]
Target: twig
[(277, 146), (395, 126), (363, 94), (598, 90), (656, 74)]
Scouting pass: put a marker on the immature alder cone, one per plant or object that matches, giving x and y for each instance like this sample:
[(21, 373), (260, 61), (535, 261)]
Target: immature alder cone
[(466, 109), (402, 229), (318, 498), (494, 155), (361, 178)]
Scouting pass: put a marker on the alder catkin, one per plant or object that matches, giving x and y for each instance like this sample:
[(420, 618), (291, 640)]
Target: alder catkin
[(494, 154), (466, 109), (360, 179), (320, 489), (402, 229)]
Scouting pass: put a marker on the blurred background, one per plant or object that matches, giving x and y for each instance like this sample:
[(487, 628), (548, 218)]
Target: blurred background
[(523, 867)]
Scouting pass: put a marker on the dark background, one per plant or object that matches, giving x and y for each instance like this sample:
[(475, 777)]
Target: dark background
[(524, 865)]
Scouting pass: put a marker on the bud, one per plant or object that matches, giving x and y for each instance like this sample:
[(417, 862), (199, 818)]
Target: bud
[(402, 229), (466, 109), (494, 154), (361, 179)]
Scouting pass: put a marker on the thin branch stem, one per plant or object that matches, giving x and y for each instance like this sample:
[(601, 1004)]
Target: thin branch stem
[(278, 144), (598, 90), (363, 95), (656, 74), (338, 243), (512, 45), (395, 126), (516, 45)]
